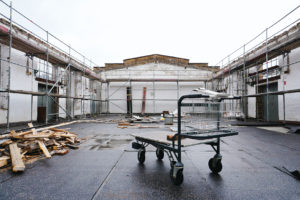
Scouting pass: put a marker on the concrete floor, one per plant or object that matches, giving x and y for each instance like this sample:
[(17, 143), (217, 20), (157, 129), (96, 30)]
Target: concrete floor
[(100, 171)]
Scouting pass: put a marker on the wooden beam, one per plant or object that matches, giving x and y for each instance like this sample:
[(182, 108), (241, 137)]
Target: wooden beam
[(44, 149), (6, 142), (5, 136), (33, 129), (58, 130), (16, 158), (59, 134), (14, 134), (38, 135)]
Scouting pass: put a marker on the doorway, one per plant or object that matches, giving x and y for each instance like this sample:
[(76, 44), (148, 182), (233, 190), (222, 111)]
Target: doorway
[(52, 106), (262, 103)]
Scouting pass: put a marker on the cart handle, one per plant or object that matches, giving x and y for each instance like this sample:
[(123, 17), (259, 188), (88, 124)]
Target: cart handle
[(191, 96)]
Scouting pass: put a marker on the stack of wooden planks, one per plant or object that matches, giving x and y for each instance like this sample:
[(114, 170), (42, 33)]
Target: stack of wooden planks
[(17, 149), (123, 124)]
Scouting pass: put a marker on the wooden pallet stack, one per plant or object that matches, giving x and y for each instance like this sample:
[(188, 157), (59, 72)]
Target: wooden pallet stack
[(19, 148)]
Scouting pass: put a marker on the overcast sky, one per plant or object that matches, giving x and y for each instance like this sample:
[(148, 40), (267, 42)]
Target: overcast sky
[(113, 30)]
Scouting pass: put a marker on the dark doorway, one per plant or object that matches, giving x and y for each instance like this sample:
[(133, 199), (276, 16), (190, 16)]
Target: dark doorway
[(272, 104), (52, 106)]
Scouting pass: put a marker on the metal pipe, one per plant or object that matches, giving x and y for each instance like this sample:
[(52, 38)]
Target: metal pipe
[(274, 93), (218, 146), (53, 54), (73, 101), (69, 107), (55, 84), (179, 88), (31, 108), (267, 74), (82, 94), (9, 66), (31, 89), (264, 30), (229, 82), (218, 114), (47, 76), (1, 74), (244, 82), (60, 106), (153, 86), (258, 47), (191, 96), (107, 93), (283, 96), (41, 29)]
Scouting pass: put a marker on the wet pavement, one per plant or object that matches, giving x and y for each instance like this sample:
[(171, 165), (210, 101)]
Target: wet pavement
[(105, 167)]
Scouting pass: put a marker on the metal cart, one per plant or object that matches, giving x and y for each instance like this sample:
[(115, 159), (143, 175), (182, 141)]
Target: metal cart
[(173, 148)]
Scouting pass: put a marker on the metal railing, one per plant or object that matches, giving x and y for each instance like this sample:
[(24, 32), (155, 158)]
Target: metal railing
[(14, 18), (261, 41)]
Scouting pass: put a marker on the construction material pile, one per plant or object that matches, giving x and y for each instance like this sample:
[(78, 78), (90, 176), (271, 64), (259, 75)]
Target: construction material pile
[(17, 149), (123, 124)]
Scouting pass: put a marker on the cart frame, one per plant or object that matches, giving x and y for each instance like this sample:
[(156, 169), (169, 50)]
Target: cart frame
[(176, 172)]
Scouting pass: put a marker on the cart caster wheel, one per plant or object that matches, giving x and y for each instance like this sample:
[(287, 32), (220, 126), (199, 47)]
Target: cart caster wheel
[(215, 165), (179, 177), (159, 154), (141, 156)]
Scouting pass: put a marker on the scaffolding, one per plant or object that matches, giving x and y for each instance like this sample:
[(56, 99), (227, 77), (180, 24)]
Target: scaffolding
[(58, 60), (256, 62), (153, 80)]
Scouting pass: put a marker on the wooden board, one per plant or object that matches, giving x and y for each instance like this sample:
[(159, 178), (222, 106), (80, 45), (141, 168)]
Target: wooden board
[(64, 134), (44, 149), (14, 134), (6, 136), (33, 129), (6, 142), (38, 135), (161, 137), (16, 158)]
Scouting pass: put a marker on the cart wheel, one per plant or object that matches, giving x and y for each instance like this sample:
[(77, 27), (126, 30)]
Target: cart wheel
[(159, 154), (179, 177), (215, 165), (141, 156)]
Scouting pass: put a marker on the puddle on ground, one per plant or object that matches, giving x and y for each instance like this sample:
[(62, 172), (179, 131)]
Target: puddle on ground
[(107, 141), (275, 129)]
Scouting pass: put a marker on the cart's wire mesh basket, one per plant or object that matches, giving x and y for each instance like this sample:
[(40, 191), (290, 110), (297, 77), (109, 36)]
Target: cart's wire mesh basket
[(207, 114)]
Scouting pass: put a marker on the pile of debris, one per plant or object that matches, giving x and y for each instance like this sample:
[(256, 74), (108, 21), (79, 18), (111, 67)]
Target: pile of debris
[(124, 124), (144, 119), (27, 147)]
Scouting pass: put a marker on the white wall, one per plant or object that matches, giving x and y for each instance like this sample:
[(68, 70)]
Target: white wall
[(292, 80), (164, 93), (157, 71), (292, 101), (251, 102), (80, 87), (62, 103), (20, 104)]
